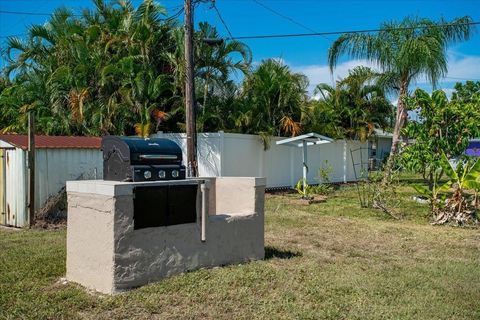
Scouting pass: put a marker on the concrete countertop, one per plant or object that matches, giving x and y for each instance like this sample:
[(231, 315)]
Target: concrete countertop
[(119, 188)]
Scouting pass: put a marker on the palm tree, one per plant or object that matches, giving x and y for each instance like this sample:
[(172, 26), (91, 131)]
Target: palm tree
[(214, 66), (404, 51), (216, 63), (357, 104), (100, 73), (274, 99)]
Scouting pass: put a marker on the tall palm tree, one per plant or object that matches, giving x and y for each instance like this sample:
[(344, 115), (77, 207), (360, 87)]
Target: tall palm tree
[(214, 66), (217, 63), (101, 73), (274, 99), (404, 51), (357, 103)]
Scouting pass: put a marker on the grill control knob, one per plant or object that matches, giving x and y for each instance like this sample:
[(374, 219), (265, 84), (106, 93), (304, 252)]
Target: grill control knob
[(175, 173), (161, 174), (147, 174)]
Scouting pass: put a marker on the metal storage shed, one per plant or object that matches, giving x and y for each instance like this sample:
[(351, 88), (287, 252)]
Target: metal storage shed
[(58, 159)]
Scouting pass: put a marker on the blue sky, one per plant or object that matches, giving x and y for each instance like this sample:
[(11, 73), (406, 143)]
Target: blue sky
[(308, 54)]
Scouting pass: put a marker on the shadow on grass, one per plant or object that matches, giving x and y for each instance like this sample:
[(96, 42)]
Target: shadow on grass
[(274, 253)]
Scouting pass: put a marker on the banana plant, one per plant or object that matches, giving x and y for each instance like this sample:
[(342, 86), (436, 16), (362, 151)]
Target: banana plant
[(465, 176), (305, 192), (433, 194)]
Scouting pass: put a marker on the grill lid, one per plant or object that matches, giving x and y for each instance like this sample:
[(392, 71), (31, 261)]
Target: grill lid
[(152, 146), (138, 159), (139, 150)]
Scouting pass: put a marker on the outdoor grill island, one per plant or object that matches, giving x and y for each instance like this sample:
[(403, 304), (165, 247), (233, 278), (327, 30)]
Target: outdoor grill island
[(145, 221)]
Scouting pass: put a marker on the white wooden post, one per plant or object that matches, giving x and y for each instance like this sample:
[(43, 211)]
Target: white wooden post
[(305, 168), (222, 153), (293, 180), (345, 161)]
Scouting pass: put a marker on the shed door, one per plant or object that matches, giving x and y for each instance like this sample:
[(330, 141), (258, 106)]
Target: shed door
[(3, 211)]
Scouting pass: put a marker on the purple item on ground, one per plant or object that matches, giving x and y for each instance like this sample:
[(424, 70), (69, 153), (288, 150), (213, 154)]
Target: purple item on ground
[(473, 149)]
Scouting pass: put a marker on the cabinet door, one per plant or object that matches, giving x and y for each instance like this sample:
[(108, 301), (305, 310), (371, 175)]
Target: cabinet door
[(150, 207), (182, 202), (156, 206)]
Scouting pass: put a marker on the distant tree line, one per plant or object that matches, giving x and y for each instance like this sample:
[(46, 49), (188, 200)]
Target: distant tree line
[(118, 69)]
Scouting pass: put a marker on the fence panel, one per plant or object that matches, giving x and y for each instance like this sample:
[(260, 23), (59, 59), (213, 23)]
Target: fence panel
[(232, 154)]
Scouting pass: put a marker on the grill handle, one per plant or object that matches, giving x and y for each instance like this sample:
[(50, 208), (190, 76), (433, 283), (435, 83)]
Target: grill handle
[(157, 157)]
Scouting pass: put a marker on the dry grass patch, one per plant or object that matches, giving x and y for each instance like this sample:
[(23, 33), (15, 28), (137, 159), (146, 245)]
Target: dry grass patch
[(324, 261)]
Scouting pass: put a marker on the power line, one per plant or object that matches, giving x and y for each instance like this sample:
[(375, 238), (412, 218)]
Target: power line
[(316, 34), (13, 35), (26, 13), (223, 21), (464, 79), (284, 16), (172, 17)]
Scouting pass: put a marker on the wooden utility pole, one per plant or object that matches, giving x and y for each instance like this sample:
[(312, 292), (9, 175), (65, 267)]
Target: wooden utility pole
[(31, 168), (192, 166)]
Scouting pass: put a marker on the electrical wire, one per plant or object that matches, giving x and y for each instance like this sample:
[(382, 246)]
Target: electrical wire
[(26, 13), (223, 21), (287, 18), (270, 36), (464, 79), (172, 17), (316, 34)]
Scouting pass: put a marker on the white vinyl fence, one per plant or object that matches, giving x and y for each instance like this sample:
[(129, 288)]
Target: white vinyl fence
[(231, 154)]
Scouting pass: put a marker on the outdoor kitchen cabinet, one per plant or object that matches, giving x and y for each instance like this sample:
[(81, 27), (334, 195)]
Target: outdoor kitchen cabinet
[(155, 206), (110, 249)]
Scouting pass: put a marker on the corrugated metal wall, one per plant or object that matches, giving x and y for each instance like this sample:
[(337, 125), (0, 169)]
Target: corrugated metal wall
[(3, 204), (56, 166), (53, 168), (16, 182)]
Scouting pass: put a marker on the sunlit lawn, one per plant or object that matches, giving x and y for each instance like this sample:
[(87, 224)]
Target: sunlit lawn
[(330, 260)]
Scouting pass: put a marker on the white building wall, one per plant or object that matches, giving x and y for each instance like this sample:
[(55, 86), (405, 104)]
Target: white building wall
[(219, 154)]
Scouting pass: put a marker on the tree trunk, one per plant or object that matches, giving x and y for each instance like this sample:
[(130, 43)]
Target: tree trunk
[(205, 93), (400, 120)]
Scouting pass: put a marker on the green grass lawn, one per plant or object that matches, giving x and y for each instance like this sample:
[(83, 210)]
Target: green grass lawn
[(324, 261)]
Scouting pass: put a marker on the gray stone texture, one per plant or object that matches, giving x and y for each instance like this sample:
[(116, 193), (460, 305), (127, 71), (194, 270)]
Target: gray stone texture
[(106, 254)]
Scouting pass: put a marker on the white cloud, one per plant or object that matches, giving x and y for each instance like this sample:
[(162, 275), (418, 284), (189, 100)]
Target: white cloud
[(459, 66), (448, 92), (463, 66), (321, 73)]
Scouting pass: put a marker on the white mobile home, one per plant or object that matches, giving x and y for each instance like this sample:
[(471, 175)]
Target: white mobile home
[(57, 159)]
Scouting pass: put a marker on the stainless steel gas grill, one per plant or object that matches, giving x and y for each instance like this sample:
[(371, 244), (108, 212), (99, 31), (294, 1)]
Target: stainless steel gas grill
[(138, 159)]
